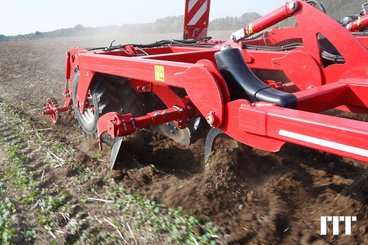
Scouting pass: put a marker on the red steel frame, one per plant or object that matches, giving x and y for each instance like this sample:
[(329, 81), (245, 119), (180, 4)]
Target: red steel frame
[(261, 125)]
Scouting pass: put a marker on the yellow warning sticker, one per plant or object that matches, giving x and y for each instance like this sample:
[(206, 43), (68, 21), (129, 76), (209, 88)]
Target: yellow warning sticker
[(159, 73)]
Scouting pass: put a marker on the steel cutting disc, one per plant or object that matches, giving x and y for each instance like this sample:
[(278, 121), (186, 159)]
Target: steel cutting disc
[(181, 136)]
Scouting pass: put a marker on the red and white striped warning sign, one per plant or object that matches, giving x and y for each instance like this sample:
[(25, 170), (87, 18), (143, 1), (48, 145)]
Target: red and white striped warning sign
[(196, 19)]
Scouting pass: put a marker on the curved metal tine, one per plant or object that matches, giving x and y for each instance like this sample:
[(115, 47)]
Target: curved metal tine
[(211, 136), (116, 154)]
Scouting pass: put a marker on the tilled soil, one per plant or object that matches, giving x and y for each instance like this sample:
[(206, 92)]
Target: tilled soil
[(252, 196)]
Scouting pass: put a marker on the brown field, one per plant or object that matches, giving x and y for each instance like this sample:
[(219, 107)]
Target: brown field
[(252, 196)]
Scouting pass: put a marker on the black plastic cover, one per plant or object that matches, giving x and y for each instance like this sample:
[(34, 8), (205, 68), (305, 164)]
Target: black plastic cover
[(243, 84)]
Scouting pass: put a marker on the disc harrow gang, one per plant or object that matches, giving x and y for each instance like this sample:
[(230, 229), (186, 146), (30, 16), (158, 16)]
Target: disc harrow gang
[(264, 86), (51, 109)]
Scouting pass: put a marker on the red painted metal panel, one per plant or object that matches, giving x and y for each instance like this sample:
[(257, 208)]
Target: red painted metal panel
[(339, 136), (192, 77), (322, 98), (233, 116), (255, 121)]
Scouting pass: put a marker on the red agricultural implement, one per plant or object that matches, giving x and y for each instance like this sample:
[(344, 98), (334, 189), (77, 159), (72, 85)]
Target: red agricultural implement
[(263, 87)]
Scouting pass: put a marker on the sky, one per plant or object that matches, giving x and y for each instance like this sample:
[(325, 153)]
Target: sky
[(27, 16)]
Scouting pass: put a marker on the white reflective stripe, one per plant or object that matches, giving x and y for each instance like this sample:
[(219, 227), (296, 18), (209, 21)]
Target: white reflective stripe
[(199, 14), (325, 143), (191, 4)]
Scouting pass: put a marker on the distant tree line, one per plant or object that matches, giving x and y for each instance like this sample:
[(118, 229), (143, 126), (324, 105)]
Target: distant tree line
[(335, 8), (35, 35), (233, 23), (169, 24)]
